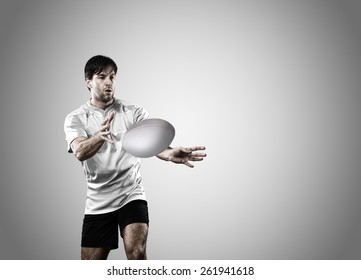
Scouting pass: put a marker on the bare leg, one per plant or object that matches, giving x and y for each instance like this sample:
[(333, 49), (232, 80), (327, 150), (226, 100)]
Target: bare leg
[(94, 253), (135, 241)]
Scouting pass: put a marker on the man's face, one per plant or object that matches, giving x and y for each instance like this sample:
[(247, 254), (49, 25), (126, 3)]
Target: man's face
[(102, 85)]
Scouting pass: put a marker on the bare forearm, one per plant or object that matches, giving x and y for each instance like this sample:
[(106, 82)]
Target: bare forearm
[(87, 148)]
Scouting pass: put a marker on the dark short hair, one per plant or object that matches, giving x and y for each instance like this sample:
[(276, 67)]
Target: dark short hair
[(97, 64)]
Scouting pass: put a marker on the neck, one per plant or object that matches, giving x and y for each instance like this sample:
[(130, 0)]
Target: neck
[(101, 104)]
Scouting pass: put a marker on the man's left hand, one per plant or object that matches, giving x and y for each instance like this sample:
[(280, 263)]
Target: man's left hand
[(181, 155)]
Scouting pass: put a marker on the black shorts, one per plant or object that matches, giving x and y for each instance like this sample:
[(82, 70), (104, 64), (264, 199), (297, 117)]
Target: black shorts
[(101, 230)]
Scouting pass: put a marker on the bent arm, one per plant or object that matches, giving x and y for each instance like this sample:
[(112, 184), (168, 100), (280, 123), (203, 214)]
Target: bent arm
[(84, 148)]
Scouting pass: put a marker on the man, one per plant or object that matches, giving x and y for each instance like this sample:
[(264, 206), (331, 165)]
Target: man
[(115, 194)]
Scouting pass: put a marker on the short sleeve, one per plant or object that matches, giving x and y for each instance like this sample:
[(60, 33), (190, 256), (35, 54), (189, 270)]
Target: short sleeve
[(73, 128)]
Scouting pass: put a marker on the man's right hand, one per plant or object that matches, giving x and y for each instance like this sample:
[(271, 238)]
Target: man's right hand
[(105, 133)]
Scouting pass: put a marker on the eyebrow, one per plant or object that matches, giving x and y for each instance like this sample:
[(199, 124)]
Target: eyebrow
[(105, 74)]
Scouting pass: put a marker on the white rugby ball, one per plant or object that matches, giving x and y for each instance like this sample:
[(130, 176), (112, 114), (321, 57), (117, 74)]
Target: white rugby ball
[(148, 138)]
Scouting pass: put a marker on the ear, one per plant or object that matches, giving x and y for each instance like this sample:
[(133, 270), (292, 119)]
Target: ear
[(88, 83)]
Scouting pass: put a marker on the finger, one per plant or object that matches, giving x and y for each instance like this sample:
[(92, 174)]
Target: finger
[(196, 159), (106, 120), (108, 139), (103, 133), (197, 148), (185, 150), (180, 161), (106, 135), (199, 154), (188, 164), (111, 116), (105, 128)]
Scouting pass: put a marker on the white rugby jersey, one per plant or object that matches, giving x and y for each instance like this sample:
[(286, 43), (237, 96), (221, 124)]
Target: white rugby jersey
[(112, 175)]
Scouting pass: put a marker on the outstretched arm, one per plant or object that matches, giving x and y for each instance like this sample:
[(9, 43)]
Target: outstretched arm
[(182, 155)]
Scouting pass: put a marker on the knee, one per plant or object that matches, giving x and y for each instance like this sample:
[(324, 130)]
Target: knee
[(137, 252), (94, 253)]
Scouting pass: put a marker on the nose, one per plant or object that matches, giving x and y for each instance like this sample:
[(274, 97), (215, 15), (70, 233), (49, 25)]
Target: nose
[(108, 81)]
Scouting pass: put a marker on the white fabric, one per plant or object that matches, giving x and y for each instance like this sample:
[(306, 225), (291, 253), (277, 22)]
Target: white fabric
[(112, 174)]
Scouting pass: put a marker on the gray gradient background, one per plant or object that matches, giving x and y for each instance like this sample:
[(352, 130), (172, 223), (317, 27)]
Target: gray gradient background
[(271, 88)]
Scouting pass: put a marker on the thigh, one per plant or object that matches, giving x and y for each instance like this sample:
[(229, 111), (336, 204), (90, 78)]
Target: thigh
[(135, 234), (135, 241)]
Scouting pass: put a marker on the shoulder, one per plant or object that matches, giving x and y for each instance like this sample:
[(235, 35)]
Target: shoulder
[(82, 110), (79, 114), (127, 106), (132, 112)]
